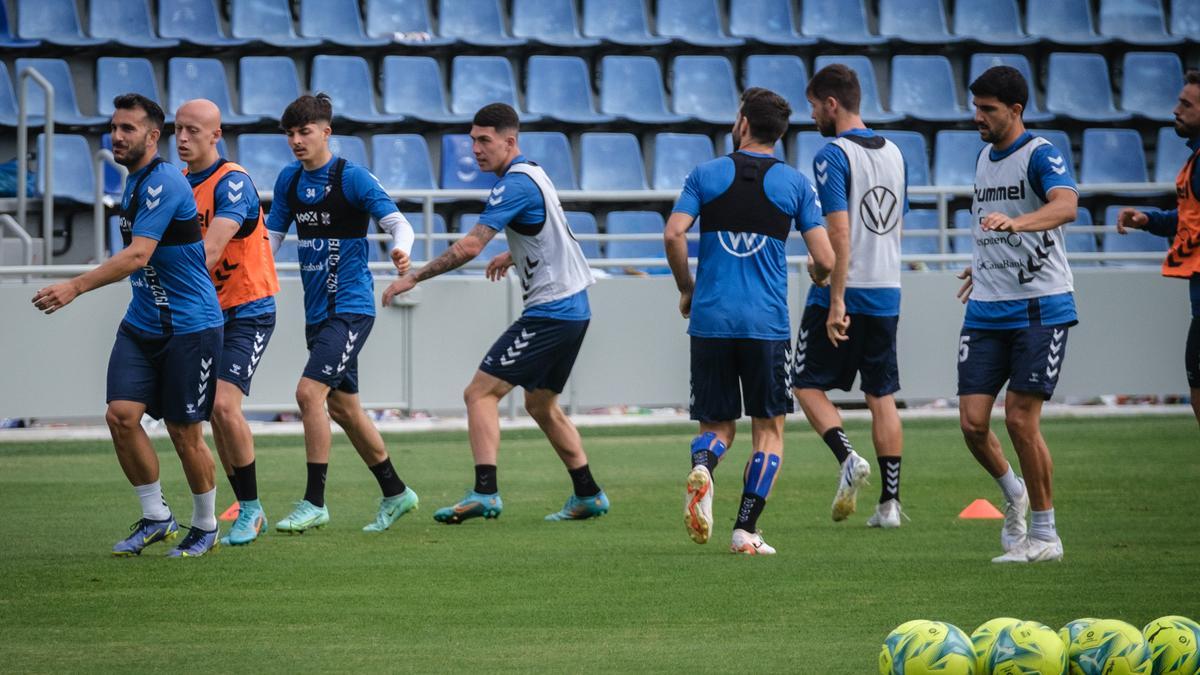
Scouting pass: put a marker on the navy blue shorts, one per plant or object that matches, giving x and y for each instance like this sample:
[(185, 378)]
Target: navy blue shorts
[(1191, 354), (171, 374), (1029, 359), (536, 353), (870, 352), (761, 369), (245, 340), (333, 347)]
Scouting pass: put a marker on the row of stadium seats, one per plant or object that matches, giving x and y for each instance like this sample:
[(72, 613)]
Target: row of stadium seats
[(555, 23)]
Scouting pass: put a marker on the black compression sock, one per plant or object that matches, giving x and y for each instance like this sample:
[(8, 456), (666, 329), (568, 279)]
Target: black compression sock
[(485, 479), (247, 482), (837, 441), (748, 513), (314, 491), (890, 485), (585, 485), (389, 482)]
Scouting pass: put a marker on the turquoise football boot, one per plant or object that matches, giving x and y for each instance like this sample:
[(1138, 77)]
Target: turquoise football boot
[(582, 508), (303, 517), (474, 505), (250, 523), (391, 508)]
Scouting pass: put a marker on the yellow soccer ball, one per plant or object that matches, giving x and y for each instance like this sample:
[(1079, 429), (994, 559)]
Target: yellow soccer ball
[(1110, 647), (1027, 648), (1068, 632), (985, 635), (1174, 645), (893, 642), (928, 648)]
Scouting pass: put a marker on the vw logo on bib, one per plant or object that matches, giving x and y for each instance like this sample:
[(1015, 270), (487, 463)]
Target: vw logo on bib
[(878, 210), (741, 244)]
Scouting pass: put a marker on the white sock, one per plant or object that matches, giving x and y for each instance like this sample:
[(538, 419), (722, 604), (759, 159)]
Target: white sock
[(1010, 485), (1042, 525), (204, 510), (154, 507)]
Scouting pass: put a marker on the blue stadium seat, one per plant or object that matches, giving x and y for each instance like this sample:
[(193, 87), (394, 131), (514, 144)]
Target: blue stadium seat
[(336, 21), (189, 78), (459, 170), (401, 162), (1185, 19), (955, 155), (53, 21), (263, 156), (1170, 154), (194, 22), (696, 22), (920, 22), (981, 62), (549, 22), (805, 146), (1081, 242), (73, 178), (172, 156), (991, 22), (1062, 142), (770, 22), (552, 151), (419, 251), (1151, 82), (675, 155), (66, 108), (842, 22), (476, 22), (923, 88), (631, 87), (498, 244), (636, 222), (919, 220), (8, 102), (403, 21), (121, 75), (9, 39), (727, 146), (1138, 22), (126, 22), (413, 86), (267, 84), (350, 148), (582, 222), (349, 82), (916, 159), (1063, 22), (267, 21), (961, 239), (1112, 156), (1133, 241), (476, 81), (559, 88), (785, 75), (112, 179), (703, 88), (610, 161), (622, 22), (1078, 87), (870, 107)]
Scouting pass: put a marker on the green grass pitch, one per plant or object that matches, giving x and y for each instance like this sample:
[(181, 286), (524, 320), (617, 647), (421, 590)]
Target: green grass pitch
[(626, 593)]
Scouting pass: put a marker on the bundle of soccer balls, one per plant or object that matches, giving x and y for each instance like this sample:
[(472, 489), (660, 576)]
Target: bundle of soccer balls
[(1004, 646)]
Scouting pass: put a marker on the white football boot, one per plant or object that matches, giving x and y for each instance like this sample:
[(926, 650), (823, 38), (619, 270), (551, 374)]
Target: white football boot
[(887, 515), (1015, 530), (854, 474), (1033, 550), (750, 544), (697, 504)]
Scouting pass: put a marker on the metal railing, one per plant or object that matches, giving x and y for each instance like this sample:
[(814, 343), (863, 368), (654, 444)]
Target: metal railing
[(101, 158), (47, 176)]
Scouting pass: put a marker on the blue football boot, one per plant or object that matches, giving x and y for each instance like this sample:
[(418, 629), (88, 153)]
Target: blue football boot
[(473, 505), (391, 508), (582, 508), (251, 522), (195, 544), (146, 532)]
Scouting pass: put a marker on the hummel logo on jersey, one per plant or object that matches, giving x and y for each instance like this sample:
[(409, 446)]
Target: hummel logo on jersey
[(495, 201), (154, 190), (1057, 167), (821, 167), (499, 189), (235, 197)]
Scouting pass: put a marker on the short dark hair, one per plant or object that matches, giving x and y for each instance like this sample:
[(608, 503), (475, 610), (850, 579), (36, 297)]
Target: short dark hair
[(766, 112), (1192, 76), (839, 82), (132, 101), (306, 110), (1005, 83), (499, 116)]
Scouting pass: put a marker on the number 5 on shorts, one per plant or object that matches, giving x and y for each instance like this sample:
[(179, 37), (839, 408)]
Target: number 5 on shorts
[(964, 348)]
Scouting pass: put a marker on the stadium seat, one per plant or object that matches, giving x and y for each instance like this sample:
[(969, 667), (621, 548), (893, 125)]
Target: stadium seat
[(770, 22), (623, 22), (842, 22), (53, 21), (413, 86), (419, 250), (8, 102), (401, 162), (1080, 242), (66, 108), (194, 22), (920, 22), (552, 151), (981, 62), (1112, 156), (172, 156), (189, 78), (920, 220), (1185, 19), (785, 75), (704, 89), (121, 75), (559, 88), (1150, 84), (1078, 87), (476, 81), (498, 244), (610, 161), (916, 159), (582, 222), (955, 156), (74, 180), (267, 21), (675, 155), (1063, 22), (336, 21), (263, 156), (549, 22), (126, 22), (1133, 241), (9, 39), (805, 146), (1061, 141), (636, 222), (459, 169), (1170, 154), (870, 107), (350, 148), (349, 82), (267, 84), (923, 88), (113, 184), (631, 87), (403, 21), (476, 22), (991, 22), (961, 239), (1138, 22), (727, 146), (695, 22)]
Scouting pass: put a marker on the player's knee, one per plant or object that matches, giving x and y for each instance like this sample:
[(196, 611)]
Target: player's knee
[(1020, 424), (341, 414), (308, 400), (974, 428), (225, 411), (121, 421), (540, 409)]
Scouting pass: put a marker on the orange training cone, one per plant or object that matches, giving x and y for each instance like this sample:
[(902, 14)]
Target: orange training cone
[(980, 509), (231, 513)]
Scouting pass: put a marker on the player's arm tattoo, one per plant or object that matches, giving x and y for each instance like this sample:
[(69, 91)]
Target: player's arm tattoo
[(460, 253)]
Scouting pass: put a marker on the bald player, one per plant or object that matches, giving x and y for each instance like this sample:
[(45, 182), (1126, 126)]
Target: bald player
[(237, 252)]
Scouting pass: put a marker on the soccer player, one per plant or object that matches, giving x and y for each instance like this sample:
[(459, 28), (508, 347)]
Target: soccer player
[(332, 201), (170, 339), (737, 306), (1020, 304), (538, 351), (238, 255), (1182, 226), (849, 327)]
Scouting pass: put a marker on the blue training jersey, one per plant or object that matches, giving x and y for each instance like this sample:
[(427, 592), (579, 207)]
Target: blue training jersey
[(173, 292), (741, 277), (333, 269)]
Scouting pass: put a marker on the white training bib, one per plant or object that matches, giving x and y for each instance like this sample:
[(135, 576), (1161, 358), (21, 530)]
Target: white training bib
[(875, 206)]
